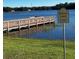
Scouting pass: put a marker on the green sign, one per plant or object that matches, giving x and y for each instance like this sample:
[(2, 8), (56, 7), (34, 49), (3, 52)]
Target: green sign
[(63, 16)]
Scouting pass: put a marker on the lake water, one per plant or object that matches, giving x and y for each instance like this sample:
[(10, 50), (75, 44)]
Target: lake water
[(49, 31)]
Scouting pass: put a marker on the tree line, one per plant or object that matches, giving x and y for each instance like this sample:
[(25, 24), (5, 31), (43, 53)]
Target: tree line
[(56, 7)]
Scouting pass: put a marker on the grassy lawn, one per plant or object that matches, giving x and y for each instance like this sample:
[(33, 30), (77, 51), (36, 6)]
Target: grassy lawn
[(21, 48)]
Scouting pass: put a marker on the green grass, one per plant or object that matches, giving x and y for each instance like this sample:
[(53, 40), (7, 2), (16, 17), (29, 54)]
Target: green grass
[(21, 48)]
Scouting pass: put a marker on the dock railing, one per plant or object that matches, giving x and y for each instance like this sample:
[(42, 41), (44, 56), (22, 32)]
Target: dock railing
[(26, 22)]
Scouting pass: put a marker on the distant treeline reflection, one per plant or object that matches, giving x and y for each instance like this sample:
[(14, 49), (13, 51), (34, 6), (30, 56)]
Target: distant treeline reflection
[(56, 7)]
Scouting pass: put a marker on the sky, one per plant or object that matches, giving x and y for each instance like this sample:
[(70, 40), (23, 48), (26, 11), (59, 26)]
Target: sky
[(32, 3)]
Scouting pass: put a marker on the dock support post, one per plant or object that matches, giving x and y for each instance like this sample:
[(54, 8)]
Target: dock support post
[(37, 28), (36, 22), (19, 24), (50, 20), (8, 26), (43, 21), (28, 23)]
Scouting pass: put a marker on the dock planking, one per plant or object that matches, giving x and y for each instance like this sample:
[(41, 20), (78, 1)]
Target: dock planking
[(26, 22)]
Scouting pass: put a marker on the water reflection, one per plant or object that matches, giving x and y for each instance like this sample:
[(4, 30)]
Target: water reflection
[(33, 30), (46, 31)]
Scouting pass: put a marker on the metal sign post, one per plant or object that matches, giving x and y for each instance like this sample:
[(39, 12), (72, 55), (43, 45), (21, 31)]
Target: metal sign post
[(64, 41), (63, 19)]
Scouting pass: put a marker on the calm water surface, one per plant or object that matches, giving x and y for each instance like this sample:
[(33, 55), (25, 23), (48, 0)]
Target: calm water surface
[(49, 31)]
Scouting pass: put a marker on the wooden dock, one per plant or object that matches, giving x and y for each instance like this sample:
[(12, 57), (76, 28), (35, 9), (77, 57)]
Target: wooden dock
[(27, 22)]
